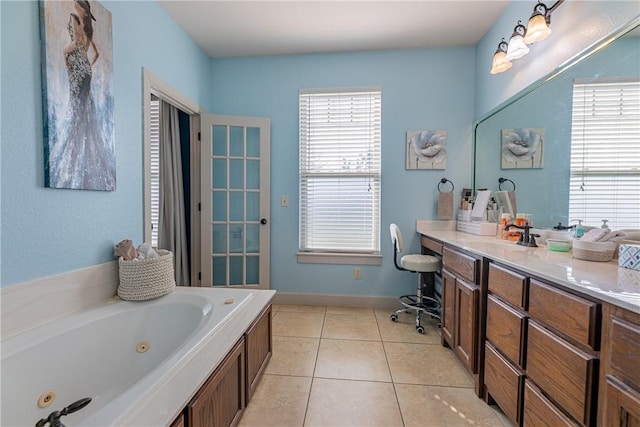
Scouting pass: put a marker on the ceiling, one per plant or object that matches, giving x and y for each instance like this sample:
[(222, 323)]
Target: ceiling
[(231, 28)]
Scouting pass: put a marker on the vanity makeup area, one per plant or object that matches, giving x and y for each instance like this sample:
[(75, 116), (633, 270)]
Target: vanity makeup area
[(550, 339)]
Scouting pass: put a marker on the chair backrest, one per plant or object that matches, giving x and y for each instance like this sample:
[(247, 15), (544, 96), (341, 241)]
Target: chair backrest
[(396, 237)]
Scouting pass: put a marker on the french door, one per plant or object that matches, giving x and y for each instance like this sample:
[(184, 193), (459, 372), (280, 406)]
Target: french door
[(235, 208)]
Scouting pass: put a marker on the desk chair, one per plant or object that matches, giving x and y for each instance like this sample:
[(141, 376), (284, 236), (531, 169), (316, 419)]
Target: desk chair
[(421, 264)]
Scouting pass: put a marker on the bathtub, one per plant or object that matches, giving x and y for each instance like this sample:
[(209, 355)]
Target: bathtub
[(139, 362)]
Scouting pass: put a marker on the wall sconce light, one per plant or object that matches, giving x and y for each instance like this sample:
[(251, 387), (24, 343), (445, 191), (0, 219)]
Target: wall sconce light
[(517, 48), (538, 28), (500, 62)]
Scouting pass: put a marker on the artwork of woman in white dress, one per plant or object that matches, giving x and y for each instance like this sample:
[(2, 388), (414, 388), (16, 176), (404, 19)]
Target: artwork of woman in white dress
[(427, 149), (78, 95)]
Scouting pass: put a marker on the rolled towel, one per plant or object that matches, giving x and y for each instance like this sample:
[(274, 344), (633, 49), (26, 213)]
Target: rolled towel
[(595, 234), (613, 236), (146, 251), (126, 250)]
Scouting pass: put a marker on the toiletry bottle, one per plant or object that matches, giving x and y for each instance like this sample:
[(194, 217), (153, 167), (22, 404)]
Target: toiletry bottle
[(578, 231), (505, 219), (604, 223)]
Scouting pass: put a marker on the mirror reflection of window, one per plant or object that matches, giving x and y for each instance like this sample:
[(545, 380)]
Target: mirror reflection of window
[(605, 152)]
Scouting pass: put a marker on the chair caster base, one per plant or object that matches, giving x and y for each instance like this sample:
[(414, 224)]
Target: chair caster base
[(394, 317), (420, 329)]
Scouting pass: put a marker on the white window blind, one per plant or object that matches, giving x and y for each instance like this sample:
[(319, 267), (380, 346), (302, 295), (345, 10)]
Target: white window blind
[(340, 170), (605, 152), (155, 168)]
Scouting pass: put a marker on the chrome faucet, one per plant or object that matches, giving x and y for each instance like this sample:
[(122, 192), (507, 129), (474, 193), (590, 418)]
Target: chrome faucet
[(526, 238)]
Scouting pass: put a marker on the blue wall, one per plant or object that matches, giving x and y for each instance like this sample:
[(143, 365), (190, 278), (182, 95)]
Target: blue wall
[(48, 231), (421, 89)]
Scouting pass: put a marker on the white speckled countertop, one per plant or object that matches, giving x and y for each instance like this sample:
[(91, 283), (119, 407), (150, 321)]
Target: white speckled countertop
[(603, 280)]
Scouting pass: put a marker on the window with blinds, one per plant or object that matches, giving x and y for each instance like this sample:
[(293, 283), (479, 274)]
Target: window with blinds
[(155, 168), (340, 170), (605, 152)]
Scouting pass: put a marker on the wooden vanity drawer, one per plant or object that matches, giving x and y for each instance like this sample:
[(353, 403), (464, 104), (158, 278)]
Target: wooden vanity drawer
[(504, 383), (624, 351), (564, 372), (538, 411), (463, 265), (510, 286), (573, 316), (431, 244), (506, 329)]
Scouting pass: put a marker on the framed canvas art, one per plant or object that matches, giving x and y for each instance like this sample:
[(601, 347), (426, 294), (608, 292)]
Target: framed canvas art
[(77, 92), (522, 148), (426, 149)]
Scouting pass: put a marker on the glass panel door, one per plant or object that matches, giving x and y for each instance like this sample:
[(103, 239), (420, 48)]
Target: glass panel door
[(235, 201)]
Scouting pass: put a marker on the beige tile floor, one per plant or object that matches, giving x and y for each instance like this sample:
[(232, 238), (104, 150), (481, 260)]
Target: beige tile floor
[(352, 367)]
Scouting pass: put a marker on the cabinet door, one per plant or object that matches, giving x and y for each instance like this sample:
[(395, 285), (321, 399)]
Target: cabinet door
[(448, 307), (622, 405), (259, 349), (221, 400), (466, 309)]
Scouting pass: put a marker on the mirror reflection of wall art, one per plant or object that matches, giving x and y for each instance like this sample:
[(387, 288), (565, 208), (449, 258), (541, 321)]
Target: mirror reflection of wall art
[(77, 80), (522, 148), (427, 149)]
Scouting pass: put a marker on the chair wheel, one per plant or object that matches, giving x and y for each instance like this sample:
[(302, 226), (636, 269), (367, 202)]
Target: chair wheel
[(394, 317), (420, 329)]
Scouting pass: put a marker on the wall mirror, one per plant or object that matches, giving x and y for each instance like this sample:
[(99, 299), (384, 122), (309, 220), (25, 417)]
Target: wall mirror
[(543, 190)]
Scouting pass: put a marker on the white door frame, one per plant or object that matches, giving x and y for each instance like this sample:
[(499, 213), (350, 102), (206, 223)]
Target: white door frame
[(154, 85)]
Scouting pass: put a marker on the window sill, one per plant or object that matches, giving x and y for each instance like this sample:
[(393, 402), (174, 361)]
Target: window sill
[(338, 258)]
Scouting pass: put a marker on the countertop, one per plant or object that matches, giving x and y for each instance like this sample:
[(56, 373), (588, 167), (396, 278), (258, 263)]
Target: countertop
[(602, 280)]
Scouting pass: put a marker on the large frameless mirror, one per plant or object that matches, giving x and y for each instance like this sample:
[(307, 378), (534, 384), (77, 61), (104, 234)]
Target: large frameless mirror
[(542, 113)]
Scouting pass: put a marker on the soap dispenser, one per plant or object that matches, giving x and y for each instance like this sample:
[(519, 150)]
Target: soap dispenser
[(604, 223), (578, 231)]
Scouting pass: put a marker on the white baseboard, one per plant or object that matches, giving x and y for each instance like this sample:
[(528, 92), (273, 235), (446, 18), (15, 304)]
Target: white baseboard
[(336, 300), (29, 304)]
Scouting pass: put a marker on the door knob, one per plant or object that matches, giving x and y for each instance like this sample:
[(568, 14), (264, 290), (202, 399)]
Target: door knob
[(263, 221)]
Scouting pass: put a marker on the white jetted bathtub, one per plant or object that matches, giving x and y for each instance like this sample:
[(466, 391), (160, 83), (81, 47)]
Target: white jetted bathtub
[(139, 362)]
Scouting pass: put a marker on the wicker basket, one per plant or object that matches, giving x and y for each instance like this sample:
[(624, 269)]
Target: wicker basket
[(594, 251), (146, 279)]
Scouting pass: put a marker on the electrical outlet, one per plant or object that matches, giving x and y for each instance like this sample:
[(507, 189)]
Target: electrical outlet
[(284, 201), (357, 273)]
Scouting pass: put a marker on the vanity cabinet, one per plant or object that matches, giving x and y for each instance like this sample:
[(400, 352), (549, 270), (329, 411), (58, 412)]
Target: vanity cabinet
[(221, 400), (541, 350), (619, 402), (460, 305)]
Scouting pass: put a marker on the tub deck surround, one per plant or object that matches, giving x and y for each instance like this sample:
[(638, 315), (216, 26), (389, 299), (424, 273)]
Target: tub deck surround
[(191, 329), (30, 304), (602, 280)]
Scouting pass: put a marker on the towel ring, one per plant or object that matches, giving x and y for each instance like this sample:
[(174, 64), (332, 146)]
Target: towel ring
[(444, 181), (501, 180)]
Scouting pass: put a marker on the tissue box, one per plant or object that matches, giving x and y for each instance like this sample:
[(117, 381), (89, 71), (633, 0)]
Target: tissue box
[(629, 256)]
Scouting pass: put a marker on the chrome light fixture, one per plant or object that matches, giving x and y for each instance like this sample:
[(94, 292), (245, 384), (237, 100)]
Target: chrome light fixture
[(500, 62), (517, 48), (538, 28)]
